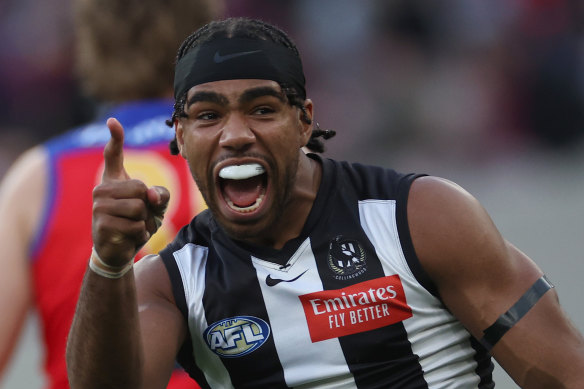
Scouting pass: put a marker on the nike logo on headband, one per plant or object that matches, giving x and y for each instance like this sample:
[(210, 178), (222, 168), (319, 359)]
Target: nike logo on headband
[(218, 58)]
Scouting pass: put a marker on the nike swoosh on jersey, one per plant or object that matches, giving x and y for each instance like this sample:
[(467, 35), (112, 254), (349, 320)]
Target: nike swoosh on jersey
[(218, 58), (275, 281)]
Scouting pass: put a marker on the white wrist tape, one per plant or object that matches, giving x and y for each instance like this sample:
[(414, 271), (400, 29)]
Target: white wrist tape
[(98, 266)]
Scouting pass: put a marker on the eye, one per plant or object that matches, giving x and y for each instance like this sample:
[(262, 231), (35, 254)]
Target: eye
[(263, 110), (207, 116)]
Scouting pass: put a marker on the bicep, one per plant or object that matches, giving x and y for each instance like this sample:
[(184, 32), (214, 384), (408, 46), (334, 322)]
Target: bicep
[(480, 276), (162, 325)]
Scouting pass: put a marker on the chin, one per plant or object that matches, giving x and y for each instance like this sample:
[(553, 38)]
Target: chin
[(251, 233)]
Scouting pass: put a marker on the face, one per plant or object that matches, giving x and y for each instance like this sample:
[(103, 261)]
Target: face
[(242, 140)]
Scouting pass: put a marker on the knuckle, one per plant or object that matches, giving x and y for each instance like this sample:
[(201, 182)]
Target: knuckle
[(137, 229), (100, 206), (99, 190), (100, 227), (136, 209), (139, 186)]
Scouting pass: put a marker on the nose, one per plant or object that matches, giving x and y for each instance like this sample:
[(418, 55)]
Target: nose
[(236, 133)]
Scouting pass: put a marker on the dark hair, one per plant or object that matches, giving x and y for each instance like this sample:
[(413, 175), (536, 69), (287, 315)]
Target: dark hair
[(255, 29)]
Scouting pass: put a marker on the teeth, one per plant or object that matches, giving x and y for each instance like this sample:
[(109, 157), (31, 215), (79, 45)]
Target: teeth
[(241, 172), (251, 208)]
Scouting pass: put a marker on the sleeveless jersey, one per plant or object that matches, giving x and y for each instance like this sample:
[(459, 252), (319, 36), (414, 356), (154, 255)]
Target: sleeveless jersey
[(345, 305), (62, 246)]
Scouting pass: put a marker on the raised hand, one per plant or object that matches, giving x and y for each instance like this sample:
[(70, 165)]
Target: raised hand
[(125, 211)]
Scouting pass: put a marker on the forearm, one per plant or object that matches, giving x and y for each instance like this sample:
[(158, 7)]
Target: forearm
[(15, 301), (552, 360), (564, 371), (11, 325), (104, 348)]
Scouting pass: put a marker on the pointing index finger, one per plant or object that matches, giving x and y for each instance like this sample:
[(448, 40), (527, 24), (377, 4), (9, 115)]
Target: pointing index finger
[(113, 152)]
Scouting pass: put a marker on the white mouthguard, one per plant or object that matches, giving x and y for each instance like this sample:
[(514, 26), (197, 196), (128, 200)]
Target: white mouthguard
[(241, 172)]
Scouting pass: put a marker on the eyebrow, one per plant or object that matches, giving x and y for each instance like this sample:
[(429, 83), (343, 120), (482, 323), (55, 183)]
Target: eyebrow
[(211, 97), (246, 97), (260, 91)]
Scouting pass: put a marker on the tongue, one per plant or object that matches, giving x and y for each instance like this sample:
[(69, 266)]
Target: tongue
[(243, 193)]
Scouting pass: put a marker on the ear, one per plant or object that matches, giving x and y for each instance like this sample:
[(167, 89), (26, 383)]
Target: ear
[(179, 132), (307, 122)]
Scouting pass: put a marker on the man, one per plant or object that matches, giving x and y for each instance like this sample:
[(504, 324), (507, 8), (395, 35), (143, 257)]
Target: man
[(45, 233), (304, 271)]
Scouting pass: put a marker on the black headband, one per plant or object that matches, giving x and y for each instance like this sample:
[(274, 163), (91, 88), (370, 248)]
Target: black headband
[(239, 58)]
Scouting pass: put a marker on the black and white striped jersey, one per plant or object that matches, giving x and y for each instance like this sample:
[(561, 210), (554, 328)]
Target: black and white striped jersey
[(344, 305)]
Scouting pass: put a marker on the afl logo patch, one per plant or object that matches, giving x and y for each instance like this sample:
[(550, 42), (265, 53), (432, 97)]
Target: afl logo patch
[(346, 258), (236, 336)]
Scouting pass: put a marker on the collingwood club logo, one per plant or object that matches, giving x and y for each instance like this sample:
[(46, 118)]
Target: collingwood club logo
[(346, 258)]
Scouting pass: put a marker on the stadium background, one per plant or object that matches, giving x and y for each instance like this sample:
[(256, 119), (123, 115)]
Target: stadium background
[(487, 94)]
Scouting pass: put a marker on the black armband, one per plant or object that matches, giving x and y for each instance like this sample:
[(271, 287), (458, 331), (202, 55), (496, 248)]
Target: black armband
[(507, 320)]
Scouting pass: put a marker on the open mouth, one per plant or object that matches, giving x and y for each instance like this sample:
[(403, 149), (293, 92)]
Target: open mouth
[(243, 186)]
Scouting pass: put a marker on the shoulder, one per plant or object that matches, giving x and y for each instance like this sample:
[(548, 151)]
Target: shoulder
[(152, 280), (368, 181), (23, 188), (442, 204), (28, 164), (449, 226)]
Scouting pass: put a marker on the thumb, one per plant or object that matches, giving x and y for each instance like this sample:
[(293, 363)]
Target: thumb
[(158, 198)]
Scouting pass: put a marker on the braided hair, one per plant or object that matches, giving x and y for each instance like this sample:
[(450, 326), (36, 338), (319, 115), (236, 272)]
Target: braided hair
[(247, 28)]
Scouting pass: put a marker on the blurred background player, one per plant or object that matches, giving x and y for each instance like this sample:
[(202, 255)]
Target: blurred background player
[(122, 52)]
